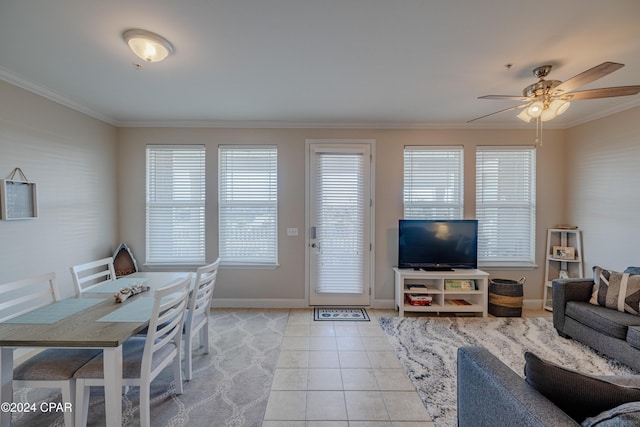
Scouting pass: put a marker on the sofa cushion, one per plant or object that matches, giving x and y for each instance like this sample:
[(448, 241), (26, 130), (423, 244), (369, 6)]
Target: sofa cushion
[(633, 336), (579, 395), (627, 414), (617, 291), (602, 319)]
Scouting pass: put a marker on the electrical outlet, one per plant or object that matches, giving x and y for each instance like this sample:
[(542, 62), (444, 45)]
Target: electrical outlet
[(292, 231)]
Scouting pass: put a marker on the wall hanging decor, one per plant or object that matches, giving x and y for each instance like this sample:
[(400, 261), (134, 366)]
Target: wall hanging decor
[(18, 197)]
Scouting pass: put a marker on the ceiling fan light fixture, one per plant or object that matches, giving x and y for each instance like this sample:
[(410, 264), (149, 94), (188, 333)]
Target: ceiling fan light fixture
[(547, 99), (555, 108), (564, 107), (535, 110), (147, 45), (524, 116)]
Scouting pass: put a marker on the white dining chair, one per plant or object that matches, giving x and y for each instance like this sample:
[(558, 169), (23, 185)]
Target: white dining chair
[(91, 274), (143, 358), (50, 368), (197, 317)]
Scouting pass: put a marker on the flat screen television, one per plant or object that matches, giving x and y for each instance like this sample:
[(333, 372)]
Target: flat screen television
[(438, 244)]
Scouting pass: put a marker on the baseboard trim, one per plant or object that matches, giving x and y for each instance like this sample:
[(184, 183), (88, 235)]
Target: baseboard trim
[(258, 303), (532, 304), (382, 304), (385, 304)]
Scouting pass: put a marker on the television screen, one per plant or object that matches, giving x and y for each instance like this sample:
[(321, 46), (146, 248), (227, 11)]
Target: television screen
[(438, 244)]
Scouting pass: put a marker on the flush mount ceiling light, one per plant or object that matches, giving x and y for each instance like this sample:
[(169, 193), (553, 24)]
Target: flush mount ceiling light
[(147, 45)]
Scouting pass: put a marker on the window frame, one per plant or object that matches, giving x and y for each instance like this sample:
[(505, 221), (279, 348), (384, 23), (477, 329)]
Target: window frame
[(416, 180), (526, 204), (269, 202), (154, 205)]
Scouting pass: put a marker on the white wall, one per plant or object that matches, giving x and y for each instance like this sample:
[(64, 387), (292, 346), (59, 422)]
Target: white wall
[(72, 158), (603, 175), (91, 192), (285, 286)]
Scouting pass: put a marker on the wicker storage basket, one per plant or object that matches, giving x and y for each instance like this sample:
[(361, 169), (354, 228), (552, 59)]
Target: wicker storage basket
[(505, 297)]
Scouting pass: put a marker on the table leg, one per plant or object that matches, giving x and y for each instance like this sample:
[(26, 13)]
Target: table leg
[(6, 383), (113, 385)]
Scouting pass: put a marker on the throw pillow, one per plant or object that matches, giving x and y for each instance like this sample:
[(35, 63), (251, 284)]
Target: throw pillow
[(632, 270), (627, 414), (578, 395), (618, 291)]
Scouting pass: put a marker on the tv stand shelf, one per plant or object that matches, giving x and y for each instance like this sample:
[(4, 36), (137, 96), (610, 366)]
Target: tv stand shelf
[(443, 300)]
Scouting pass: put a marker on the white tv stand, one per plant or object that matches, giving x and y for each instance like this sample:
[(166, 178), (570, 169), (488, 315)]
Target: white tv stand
[(444, 300)]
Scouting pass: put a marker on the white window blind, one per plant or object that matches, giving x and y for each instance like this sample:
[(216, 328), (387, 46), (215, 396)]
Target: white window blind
[(506, 205), (433, 182), (248, 204), (175, 203), (340, 202)]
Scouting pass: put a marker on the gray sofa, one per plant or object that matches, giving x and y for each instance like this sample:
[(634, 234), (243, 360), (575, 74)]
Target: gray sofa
[(491, 394), (611, 332)]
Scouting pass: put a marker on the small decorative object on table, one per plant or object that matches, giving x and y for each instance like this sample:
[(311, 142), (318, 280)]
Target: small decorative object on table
[(131, 291)]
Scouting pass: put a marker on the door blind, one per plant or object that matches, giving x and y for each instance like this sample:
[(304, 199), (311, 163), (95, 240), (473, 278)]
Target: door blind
[(175, 204), (340, 201)]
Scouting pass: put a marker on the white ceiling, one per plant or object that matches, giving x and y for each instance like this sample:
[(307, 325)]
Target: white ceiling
[(339, 63)]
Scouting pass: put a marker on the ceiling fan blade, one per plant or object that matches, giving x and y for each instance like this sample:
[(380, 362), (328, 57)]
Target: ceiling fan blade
[(605, 92), (588, 76), (496, 112), (509, 97)]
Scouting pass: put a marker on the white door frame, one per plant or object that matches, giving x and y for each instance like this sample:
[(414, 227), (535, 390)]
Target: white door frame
[(307, 239)]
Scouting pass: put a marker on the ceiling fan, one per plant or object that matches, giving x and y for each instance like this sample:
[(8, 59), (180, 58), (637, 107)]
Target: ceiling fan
[(547, 99)]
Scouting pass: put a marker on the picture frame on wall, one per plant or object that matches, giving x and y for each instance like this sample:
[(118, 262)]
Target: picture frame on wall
[(564, 252), (18, 200)]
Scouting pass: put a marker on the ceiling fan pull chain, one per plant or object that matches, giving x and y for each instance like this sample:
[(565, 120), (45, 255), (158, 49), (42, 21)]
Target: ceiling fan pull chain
[(538, 139)]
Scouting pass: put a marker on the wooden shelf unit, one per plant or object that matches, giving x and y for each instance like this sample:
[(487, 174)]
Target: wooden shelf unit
[(553, 265), (443, 299)]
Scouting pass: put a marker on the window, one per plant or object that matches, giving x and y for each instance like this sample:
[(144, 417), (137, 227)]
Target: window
[(175, 198), (433, 182), (248, 205), (506, 205)]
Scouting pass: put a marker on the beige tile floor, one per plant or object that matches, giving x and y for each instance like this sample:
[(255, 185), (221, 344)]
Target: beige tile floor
[(341, 374)]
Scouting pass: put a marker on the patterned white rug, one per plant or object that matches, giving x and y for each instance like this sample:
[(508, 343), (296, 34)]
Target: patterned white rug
[(427, 348), (230, 385)]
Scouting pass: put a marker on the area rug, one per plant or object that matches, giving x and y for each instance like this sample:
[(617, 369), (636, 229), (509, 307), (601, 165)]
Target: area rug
[(427, 348), (230, 385), (340, 313)]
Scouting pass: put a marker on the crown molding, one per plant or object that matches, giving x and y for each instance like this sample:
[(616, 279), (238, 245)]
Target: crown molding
[(633, 102), (47, 93), (17, 80)]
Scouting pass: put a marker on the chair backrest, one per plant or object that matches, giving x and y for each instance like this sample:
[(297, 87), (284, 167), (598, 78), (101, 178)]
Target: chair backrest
[(86, 276), (200, 299), (28, 294), (167, 319)]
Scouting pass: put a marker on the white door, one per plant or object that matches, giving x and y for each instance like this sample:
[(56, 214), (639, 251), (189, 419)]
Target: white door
[(339, 216)]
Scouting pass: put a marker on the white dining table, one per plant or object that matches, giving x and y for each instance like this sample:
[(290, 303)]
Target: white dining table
[(91, 320)]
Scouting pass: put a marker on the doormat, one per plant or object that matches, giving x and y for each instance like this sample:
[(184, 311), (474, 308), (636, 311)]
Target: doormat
[(338, 313)]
